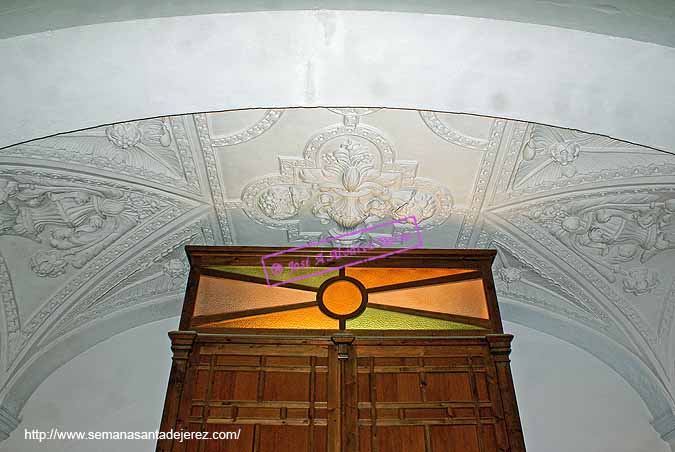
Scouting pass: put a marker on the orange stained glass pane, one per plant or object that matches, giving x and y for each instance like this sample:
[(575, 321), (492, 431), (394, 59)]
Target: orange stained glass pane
[(377, 277), (342, 297), (465, 298), (302, 318), (221, 295)]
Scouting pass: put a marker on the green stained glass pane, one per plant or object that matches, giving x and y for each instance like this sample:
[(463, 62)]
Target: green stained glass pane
[(312, 281), (380, 319)]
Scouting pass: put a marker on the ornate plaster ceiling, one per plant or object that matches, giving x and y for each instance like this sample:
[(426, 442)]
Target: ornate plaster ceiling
[(92, 223)]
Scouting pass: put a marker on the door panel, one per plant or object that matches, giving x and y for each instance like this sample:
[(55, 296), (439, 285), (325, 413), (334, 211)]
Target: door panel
[(354, 395), (273, 396), (427, 398)]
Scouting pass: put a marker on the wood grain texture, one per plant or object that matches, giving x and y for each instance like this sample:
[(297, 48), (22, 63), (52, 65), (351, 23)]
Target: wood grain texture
[(349, 391)]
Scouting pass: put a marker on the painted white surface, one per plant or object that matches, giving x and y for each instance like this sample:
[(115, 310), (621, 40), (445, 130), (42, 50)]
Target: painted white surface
[(80, 77), (569, 401), (646, 20), (117, 385)]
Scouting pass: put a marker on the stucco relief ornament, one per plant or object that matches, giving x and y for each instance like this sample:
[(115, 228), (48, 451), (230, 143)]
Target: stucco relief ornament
[(551, 153), (352, 115), (140, 148), (610, 231), (126, 135), (155, 150), (510, 275), (351, 188), (348, 178), (143, 144), (176, 270), (282, 203), (75, 223), (640, 281)]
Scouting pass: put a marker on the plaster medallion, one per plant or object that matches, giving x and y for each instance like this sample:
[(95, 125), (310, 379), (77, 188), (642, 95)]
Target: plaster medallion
[(348, 177)]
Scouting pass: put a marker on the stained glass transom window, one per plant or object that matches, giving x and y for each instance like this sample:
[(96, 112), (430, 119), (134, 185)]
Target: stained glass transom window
[(358, 298)]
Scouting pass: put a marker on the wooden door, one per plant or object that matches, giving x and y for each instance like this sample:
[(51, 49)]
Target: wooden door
[(342, 394), (274, 396), (423, 395)]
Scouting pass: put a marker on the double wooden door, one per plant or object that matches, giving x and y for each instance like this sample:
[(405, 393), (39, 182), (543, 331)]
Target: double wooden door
[(342, 393)]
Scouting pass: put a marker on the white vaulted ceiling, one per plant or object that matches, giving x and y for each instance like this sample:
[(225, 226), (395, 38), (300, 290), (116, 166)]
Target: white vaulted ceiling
[(93, 222), (647, 20)]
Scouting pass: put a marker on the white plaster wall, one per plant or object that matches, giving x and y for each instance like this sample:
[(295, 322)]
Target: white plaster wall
[(117, 385), (80, 77), (569, 401), (648, 20)]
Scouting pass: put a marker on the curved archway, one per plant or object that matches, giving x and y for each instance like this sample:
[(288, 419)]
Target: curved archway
[(72, 78)]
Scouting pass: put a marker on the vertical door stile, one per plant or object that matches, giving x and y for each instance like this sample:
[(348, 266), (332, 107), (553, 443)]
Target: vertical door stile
[(374, 445), (334, 401), (342, 373), (350, 402), (501, 434), (182, 346), (312, 402), (260, 387)]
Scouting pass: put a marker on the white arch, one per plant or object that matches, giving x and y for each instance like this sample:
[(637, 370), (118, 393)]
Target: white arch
[(85, 76), (74, 78)]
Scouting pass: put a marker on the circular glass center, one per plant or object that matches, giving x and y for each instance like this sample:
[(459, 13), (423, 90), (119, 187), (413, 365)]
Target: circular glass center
[(342, 297)]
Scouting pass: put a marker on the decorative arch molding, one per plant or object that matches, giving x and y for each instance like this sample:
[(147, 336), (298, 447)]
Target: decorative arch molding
[(623, 322), (274, 59)]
